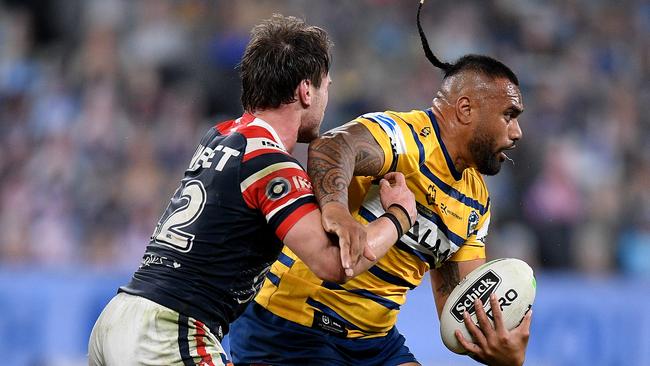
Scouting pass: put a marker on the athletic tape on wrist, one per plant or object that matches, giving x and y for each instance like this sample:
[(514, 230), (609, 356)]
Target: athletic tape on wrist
[(396, 222), (408, 217)]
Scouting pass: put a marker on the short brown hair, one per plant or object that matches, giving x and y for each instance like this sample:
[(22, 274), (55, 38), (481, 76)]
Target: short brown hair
[(282, 52)]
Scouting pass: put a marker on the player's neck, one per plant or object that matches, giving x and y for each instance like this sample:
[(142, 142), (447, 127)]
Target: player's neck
[(285, 121), (453, 136)]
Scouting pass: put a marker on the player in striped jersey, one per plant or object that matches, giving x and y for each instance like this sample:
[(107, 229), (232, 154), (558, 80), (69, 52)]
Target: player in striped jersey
[(443, 151), (242, 197)]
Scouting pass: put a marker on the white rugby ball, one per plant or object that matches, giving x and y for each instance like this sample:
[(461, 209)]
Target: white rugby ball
[(512, 281)]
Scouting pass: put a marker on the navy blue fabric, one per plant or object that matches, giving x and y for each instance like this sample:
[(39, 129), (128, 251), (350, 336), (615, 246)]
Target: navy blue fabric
[(259, 336)]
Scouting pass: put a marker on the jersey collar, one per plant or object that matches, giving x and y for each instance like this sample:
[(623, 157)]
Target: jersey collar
[(450, 164), (250, 120)]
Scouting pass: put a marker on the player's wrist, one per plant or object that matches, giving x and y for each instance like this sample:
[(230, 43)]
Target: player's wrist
[(400, 218), (404, 215), (335, 199), (333, 205)]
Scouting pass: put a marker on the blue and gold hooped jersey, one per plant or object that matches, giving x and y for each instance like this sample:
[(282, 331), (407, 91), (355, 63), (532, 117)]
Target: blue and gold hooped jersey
[(452, 223)]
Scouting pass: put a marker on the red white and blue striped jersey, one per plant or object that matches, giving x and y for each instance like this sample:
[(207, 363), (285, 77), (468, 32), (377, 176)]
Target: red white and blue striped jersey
[(223, 228)]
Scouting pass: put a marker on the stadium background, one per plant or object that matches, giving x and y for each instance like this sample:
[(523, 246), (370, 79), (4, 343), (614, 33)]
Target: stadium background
[(102, 103)]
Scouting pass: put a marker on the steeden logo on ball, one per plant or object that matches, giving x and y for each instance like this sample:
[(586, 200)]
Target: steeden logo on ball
[(481, 288)]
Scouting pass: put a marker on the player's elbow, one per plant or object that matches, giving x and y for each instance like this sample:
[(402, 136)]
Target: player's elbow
[(330, 273)]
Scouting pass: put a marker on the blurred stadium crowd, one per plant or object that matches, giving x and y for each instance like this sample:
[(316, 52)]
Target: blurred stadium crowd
[(102, 103)]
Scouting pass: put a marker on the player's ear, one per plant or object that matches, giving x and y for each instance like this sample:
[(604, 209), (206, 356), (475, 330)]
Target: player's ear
[(464, 109), (304, 93)]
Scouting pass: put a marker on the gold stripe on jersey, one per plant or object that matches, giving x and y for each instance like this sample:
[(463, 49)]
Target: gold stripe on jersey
[(453, 218), (266, 171)]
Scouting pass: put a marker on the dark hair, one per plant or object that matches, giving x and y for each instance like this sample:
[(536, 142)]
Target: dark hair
[(484, 65), (282, 52)]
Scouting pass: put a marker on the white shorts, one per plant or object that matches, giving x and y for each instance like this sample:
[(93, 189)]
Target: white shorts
[(132, 330)]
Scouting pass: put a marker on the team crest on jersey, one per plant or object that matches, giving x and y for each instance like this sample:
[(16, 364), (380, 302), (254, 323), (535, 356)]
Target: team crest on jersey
[(472, 223), (277, 188)]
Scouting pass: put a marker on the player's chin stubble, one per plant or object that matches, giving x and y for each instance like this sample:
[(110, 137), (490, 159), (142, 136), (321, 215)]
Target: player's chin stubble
[(483, 152)]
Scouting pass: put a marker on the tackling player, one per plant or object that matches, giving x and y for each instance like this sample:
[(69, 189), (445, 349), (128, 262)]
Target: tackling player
[(242, 197), (443, 151)]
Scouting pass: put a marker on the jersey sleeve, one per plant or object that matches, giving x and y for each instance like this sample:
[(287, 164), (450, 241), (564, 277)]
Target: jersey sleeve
[(277, 186), (397, 140)]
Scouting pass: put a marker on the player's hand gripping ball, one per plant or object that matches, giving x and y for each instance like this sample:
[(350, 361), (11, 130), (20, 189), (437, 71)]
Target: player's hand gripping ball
[(510, 279)]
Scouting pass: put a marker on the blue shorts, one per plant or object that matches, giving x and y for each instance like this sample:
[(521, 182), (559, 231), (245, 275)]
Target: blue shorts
[(259, 336)]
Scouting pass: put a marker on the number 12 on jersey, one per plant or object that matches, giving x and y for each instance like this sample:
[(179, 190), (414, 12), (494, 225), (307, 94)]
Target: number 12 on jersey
[(184, 208)]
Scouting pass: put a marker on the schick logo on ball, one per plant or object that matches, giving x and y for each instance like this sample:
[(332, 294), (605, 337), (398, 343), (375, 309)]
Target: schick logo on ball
[(481, 289)]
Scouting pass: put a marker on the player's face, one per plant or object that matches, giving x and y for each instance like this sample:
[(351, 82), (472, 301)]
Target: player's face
[(310, 127), (498, 128)]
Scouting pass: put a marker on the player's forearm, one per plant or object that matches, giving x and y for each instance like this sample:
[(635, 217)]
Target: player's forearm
[(446, 277), (327, 266), (383, 233)]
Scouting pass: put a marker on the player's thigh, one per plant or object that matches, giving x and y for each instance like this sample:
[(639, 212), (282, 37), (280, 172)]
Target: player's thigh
[(136, 331), (109, 333)]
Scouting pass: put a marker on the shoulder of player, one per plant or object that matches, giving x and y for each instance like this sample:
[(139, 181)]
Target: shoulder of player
[(418, 122), (260, 141), (413, 117), (415, 123), (265, 157)]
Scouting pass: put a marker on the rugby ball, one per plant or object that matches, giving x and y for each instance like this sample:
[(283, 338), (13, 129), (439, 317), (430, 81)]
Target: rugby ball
[(510, 279)]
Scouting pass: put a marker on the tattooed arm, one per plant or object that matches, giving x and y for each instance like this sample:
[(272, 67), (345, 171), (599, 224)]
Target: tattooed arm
[(445, 278), (337, 156), (491, 344), (334, 159)]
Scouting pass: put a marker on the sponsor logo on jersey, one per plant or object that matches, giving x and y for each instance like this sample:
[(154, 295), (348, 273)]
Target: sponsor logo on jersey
[(205, 156), (425, 131), (301, 183), (277, 188), (261, 144), (480, 289), (447, 211), (270, 143)]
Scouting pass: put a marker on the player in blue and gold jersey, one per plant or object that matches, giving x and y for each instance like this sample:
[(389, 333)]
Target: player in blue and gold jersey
[(443, 151)]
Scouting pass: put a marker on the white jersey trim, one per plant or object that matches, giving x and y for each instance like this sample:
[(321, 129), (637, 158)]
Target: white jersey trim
[(289, 202), (391, 128)]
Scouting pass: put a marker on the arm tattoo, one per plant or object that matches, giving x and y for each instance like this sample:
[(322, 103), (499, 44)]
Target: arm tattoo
[(450, 277), (369, 156), (330, 168), (338, 155)]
